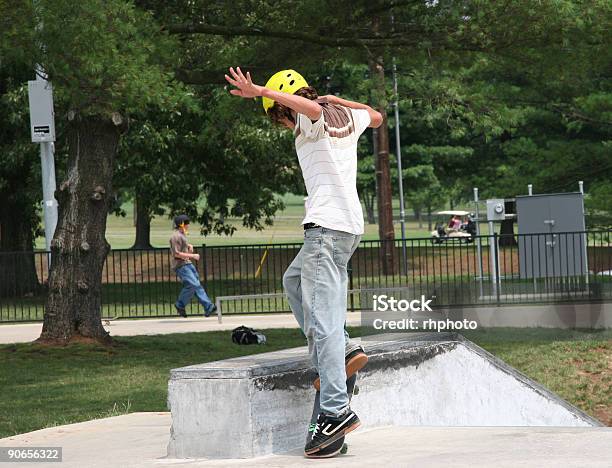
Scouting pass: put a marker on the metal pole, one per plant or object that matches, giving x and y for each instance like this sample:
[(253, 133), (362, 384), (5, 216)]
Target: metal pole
[(49, 201), (478, 242), (492, 255), (585, 241), (399, 169), (47, 161), (496, 269), (399, 161)]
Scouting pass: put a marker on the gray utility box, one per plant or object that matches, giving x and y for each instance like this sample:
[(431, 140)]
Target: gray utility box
[(496, 210), (42, 124), (552, 238)]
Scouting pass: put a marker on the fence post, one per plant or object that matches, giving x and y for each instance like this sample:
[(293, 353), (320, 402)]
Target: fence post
[(204, 266), (497, 278), (350, 272)]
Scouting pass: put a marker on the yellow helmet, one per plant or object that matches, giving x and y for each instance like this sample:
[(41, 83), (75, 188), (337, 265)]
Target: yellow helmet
[(286, 81)]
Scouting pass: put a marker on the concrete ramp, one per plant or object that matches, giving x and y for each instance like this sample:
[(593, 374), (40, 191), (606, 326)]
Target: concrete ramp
[(258, 405)]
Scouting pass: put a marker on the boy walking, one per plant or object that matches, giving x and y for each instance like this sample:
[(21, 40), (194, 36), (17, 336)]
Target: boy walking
[(326, 133), (182, 254)]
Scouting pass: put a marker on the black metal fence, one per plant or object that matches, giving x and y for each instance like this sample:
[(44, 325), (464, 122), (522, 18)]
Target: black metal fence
[(560, 267)]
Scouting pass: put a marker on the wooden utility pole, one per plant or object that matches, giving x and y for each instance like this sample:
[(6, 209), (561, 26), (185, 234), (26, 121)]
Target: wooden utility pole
[(383, 172)]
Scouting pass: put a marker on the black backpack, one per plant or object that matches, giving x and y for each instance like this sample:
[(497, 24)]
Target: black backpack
[(245, 335)]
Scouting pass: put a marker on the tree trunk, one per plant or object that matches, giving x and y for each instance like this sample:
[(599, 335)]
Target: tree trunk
[(375, 152), (143, 224), (506, 233), (429, 223), (18, 275), (383, 174), (79, 248), (369, 199), (418, 214), (370, 208)]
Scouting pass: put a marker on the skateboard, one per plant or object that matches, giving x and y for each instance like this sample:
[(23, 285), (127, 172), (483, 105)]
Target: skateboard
[(351, 389)]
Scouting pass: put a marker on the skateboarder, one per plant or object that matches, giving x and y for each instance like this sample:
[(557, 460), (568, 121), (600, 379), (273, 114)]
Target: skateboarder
[(182, 254), (326, 132)]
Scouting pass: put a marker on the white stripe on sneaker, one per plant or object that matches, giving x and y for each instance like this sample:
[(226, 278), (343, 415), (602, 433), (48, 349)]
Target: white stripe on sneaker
[(329, 433)]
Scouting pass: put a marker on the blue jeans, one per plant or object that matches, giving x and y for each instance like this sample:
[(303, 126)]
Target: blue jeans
[(316, 284), (191, 285)]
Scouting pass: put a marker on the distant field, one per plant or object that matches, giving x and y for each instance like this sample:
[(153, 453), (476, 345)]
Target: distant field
[(120, 232)]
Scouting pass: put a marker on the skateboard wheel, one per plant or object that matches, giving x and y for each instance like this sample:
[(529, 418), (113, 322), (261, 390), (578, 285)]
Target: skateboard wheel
[(344, 449), (356, 390)]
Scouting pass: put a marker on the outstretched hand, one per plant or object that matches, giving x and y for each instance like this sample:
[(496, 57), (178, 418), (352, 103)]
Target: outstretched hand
[(245, 86)]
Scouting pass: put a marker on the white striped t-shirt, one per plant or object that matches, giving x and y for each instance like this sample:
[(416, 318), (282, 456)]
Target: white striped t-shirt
[(327, 151)]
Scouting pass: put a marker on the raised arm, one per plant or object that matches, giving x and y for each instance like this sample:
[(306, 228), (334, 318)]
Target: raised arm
[(375, 116), (247, 89)]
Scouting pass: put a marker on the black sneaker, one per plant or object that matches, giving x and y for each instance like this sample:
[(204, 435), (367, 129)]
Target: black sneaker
[(212, 310), (331, 450), (327, 434), (180, 311)]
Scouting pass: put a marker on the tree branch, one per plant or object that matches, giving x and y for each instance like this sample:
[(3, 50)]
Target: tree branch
[(324, 40), (570, 111), (208, 76), (389, 5)]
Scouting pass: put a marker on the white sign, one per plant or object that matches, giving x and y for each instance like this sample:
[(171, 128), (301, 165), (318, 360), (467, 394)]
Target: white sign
[(42, 121)]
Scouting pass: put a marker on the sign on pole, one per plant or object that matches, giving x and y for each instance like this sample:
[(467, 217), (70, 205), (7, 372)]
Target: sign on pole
[(42, 127), (42, 122)]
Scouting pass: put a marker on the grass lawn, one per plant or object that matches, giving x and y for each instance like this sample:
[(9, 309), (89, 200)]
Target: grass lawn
[(120, 232), (44, 387)]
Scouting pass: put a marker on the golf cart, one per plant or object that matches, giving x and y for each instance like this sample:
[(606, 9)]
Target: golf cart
[(454, 230)]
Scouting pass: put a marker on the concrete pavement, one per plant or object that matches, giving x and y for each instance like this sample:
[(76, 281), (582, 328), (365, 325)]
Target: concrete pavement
[(139, 440), (26, 332)]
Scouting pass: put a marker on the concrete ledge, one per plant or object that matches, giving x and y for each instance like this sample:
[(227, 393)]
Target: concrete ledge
[(258, 405)]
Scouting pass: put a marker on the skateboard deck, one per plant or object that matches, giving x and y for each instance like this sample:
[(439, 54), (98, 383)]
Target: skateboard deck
[(351, 389)]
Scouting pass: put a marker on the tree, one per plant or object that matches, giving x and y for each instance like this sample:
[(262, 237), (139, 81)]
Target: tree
[(106, 61), (243, 161), (560, 96), (424, 190), (473, 71), (19, 185), (366, 185), (151, 169), (386, 231), (505, 79), (451, 33)]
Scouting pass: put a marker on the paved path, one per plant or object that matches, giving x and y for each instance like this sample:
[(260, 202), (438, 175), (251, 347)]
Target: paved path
[(24, 332), (139, 440)]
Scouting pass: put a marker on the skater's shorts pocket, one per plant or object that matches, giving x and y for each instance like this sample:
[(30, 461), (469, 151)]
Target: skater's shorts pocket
[(342, 249)]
